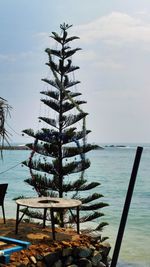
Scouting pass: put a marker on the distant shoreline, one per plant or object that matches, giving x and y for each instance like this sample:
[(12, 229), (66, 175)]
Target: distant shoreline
[(20, 147), (23, 147)]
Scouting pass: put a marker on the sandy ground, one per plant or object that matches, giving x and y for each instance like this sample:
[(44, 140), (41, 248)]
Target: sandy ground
[(41, 239), (33, 232)]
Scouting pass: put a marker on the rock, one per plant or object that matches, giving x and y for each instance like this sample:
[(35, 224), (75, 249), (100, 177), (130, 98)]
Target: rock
[(92, 247), (68, 260), (51, 258), (39, 257), (82, 252), (58, 264), (66, 251), (33, 259), (40, 264), (101, 264), (85, 252), (106, 248), (83, 262), (97, 257), (26, 261)]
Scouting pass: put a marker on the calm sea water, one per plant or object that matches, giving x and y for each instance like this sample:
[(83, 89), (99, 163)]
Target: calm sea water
[(111, 167)]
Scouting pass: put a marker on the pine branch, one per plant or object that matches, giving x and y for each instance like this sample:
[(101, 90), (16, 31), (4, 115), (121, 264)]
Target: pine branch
[(70, 39), (44, 185), (94, 206), (52, 104), (54, 52), (90, 217), (42, 167), (89, 186), (101, 226), (57, 37), (72, 68), (74, 151), (68, 83), (53, 65), (76, 166), (29, 132), (51, 82), (52, 94), (90, 198), (44, 134), (49, 150), (67, 106), (49, 121), (75, 186), (71, 52), (53, 168), (71, 119), (71, 94)]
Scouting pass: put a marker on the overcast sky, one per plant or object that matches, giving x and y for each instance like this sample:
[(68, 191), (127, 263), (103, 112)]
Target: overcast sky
[(114, 63)]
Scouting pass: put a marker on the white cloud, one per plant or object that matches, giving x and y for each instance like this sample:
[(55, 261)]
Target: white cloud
[(89, 55), (115, 28), (98, 62), (108, 64)]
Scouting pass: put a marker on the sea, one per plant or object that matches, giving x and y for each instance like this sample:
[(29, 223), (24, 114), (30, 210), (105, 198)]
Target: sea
[(111, 167)]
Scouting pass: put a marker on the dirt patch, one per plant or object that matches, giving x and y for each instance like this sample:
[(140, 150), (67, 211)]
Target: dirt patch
[(41, 239)]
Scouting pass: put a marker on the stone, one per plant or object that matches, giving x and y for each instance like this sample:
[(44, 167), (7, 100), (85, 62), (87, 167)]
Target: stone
[(26, 261), (58, 264), (101, 264), (51, 258), (92, 247), (97, 257), (66, 251), (106, 248), (68, 260), (39, 257), (84, 252), (83, 262), (33, 259), (40, 264)]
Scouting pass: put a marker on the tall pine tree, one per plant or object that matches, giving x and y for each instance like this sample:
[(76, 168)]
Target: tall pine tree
[(59, 169)]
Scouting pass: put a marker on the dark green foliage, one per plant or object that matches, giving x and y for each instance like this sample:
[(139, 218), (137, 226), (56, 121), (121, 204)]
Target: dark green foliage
[(59, 164)]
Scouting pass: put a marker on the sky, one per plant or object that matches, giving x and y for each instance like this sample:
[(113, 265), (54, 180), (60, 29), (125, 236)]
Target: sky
[(114, 63)]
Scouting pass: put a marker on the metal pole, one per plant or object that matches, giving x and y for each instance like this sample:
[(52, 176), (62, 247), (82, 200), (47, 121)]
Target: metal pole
[(126, 207)]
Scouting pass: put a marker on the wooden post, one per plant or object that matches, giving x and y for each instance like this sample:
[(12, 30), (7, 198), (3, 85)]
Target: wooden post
[(126, 207)]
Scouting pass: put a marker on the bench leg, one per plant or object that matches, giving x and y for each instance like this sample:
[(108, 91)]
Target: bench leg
[(78, 221), (18, 220), (3, 213), (44, 218)]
